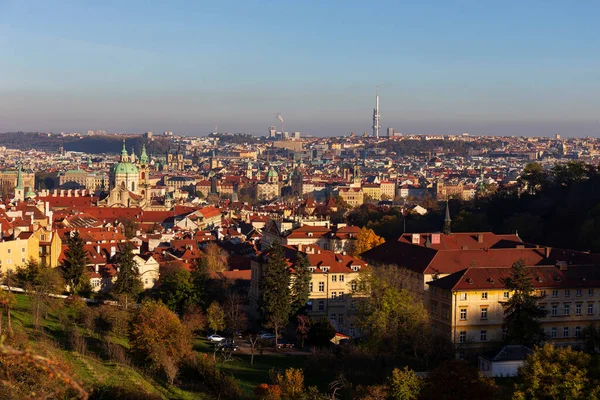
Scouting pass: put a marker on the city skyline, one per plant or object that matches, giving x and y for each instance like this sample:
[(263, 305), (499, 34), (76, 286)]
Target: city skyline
[(462, 67)]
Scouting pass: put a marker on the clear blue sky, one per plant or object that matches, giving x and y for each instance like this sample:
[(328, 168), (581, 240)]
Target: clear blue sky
[(514, 67)]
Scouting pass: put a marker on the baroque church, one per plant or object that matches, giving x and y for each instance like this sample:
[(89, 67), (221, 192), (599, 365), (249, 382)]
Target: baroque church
[(129, 181)]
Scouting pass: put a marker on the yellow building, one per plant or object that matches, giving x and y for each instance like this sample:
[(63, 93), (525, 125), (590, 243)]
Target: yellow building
[(333, 281), (50, 247), (352, 195), (372, 190), (467, 305), (16, 252)]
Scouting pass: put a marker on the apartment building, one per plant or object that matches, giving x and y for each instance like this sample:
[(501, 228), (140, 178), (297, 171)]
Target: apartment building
[(333, 279), (467, 305)]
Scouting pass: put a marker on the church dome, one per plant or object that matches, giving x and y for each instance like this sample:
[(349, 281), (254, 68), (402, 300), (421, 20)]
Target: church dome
[(125, 168), (272, 173)]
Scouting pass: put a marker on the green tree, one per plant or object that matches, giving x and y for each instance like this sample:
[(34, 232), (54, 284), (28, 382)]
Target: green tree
[(74, 266), (42, 282), (404, 384), (321, 332), (521, 312), (275, 299), (176, 289), (128, 283), (300, 282), (556, 373), (303, 328), (215, 317), (533, 177)]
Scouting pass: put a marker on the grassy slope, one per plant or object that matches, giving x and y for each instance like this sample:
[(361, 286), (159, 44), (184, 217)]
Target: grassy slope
[(92, 371)]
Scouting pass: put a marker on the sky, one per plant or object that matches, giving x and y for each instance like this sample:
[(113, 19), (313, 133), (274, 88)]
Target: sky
[(448, 66)]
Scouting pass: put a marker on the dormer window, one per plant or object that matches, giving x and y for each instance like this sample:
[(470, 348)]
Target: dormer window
[(312, 269), (325, 269), (355, 268)]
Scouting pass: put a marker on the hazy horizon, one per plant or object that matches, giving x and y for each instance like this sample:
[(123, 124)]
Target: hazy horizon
[(182, 66)]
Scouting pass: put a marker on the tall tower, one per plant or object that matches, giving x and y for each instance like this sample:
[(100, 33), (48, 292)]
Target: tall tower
[(376, 115), (19, 189)]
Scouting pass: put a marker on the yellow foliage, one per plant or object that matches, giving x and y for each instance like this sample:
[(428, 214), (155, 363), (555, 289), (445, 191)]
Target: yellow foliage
[(366, 240)]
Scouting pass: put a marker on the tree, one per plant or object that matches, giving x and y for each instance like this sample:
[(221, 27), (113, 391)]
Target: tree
[(235, 317), (7, 302), (42, 282), (176, 289), (128, 282), (215, 258), (521, 311), (404, 384), (321, 332), (394, 319), (291, 382), (158, 339), (74, 266), (303, 328), (300, 282), (556, 373), (533, 177), (215, 317), (457, 380), (365, 240), (275, 299)]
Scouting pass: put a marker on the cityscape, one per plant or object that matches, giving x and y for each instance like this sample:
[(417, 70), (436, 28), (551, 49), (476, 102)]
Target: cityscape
[(300, 260)]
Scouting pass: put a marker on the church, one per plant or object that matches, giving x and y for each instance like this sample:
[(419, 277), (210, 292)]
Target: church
[(128, 182)]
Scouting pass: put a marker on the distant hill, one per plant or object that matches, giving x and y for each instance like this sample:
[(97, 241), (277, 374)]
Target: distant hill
[(88, 144)]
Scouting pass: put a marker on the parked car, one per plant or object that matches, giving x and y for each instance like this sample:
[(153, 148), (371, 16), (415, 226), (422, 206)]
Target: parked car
[(228, 346), (266, 336), (215, 338), (284, 344)]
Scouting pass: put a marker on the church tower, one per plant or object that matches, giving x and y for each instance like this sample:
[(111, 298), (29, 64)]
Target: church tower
[(144, 179), (19, 189)]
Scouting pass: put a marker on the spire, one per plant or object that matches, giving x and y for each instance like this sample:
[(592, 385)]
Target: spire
[(19, 178), (144, 156), (447, 220), (124, 155)]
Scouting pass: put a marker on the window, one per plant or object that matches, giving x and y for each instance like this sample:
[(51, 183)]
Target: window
[(567, 292), (333, 295), (463, 314), (434, 307), (463, 296), (310, 287), (483, 335), (352, 331), (578, 293), (341, 278), (341, 296), (353, 305), (353, 286), (555, 293), (553, 333), (578, 309), (341, 319), (504, 332), (590, 308), (591, 292), (484, 296), (9, 251), (506, 295), (433, 290), (321, 305), (462, 337), (567, 309), (309, 305), (42, 238), (484, 313), (566, 331), (554, 310), (333, 317), (22, 249), (321, 286), (577, 331), (333, 278), (543, 293)]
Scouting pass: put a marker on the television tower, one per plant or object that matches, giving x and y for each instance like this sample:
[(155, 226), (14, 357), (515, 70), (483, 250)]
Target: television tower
[(376, 116)]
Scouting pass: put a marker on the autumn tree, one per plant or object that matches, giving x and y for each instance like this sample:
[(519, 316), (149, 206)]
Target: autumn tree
[(521, 312), (215, 317), (235, 317), (365, 240), (303, 328), (291, 382), (215, 258), (300, 282), (158, 339), (457, 380), (128, 283), (74, 266), (404, 384), (275, 300), (556, 373), (7, 302)]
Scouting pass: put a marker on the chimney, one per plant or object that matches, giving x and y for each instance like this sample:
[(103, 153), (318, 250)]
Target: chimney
[(76, 192), (548, 250), (97, 268), (62, 193), (480, 238), (98, 249)]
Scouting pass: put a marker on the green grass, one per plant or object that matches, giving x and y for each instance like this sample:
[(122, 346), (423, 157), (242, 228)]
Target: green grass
[(91, 370)]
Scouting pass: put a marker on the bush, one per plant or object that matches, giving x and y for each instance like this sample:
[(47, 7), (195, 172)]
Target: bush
[(116, 353)]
